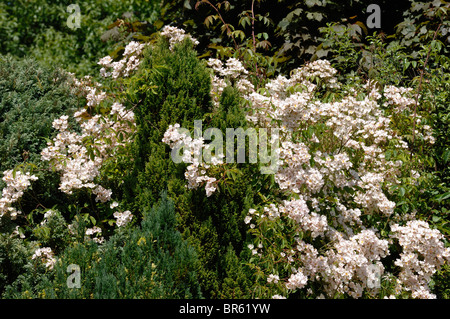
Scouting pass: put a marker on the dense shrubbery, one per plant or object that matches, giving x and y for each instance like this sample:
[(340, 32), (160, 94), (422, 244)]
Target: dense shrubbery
[(31, 97), (39, 29), (182, 94), (357, 208), (146, 261), (286, 37)]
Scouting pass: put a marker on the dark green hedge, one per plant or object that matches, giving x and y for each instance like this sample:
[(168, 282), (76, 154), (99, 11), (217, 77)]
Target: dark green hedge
[(31, 97), (213, 225)]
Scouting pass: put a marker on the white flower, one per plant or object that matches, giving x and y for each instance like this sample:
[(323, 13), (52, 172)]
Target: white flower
[(114, 205), (103, 194), (45, 254), (126, 65), (423, 253), (105, 61), (175, 35), (297, 280), (273, 278), (14, 190), (93, 230), (47, 215), (123, 218)]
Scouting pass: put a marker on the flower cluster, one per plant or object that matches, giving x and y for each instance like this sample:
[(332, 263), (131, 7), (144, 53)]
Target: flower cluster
[(233, 68), (273, 278), (176, 35), (45, 255), (298, 210), (328, 187), (398, 96), (69, 153), (297, 280), (16, 184), (401, 98), (122, 68), (196, 172), (423, 253), (321, 69), (352, 261), (95, 231), (232, 71), (123, 218), (373, 197), (80, 155)]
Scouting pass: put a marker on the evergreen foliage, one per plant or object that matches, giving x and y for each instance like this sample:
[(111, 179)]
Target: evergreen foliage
[(31, 97), (150, 261), (182, 95), (14, 256)]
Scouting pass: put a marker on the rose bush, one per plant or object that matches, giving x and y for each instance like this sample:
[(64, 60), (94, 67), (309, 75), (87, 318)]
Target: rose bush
[(343, 212)]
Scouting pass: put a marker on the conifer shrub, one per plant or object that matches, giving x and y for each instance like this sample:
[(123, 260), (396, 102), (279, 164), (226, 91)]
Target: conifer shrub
[(148, 261), (14, 256), (31, 97), (182, 95)]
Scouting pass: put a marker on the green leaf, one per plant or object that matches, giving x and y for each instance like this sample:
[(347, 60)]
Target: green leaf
[(245, 20), (446, 155), (158, 24), (291, 14), (208, 21), (442, 197)]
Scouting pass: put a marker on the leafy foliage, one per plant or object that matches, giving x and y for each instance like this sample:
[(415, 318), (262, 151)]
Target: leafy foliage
[(279, 40), (182, 95), (31, 97), (187, 245), (39, 28), (150, 261)]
